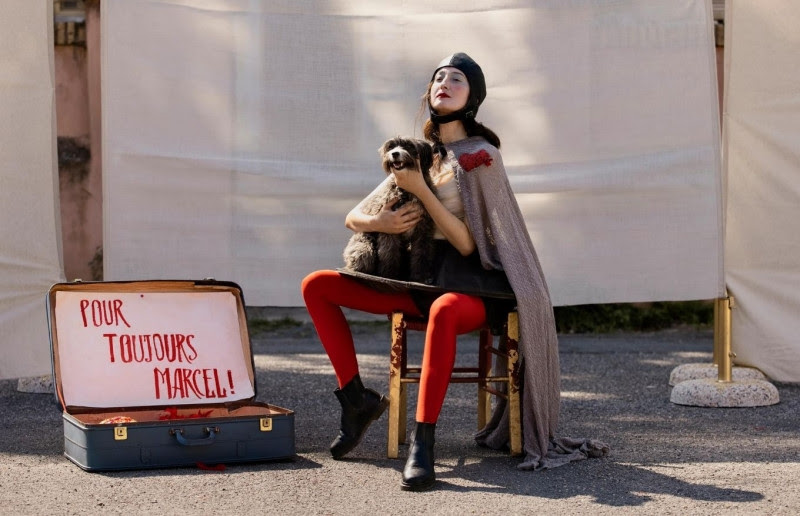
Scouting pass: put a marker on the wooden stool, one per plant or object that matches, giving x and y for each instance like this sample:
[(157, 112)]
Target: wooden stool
[(400, 375)]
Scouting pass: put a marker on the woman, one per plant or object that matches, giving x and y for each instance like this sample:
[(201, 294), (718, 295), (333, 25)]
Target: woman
[(479, 226)]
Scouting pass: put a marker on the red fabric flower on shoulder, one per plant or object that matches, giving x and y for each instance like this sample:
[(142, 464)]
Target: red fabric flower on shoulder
[(474, 160)]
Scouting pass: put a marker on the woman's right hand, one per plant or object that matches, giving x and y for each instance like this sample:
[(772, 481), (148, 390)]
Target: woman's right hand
[(397, 221), (386, 221)]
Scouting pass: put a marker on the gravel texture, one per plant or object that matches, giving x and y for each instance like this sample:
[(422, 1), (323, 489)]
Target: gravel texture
[(665, 458)]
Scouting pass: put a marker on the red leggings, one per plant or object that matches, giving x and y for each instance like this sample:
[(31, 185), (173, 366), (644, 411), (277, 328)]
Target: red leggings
[(451, 314)]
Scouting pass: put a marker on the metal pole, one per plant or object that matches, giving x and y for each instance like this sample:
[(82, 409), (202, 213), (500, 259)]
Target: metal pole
[(717, 350), (726, 356)]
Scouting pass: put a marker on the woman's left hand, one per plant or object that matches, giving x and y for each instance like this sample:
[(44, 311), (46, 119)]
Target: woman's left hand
[(453, 228), (411, 180)]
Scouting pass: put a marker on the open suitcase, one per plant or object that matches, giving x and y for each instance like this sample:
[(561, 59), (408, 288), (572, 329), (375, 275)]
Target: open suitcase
[(159, 373)]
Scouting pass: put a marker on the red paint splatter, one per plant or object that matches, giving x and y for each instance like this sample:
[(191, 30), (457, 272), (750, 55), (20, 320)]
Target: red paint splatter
[(172, 413)]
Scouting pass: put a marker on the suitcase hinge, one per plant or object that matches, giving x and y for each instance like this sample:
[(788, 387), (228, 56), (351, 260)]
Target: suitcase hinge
[(120, 433), (266, 424)]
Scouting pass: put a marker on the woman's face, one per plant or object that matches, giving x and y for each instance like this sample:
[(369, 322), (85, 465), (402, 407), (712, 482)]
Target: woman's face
[(449, 91)]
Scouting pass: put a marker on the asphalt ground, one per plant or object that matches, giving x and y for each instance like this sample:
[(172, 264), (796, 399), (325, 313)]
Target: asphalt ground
[(664, 459)]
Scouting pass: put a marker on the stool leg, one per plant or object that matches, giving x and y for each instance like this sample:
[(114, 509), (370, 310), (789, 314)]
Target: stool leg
[(515, 426), (402, 431), (484, 370), (395, 357), (401, 427)]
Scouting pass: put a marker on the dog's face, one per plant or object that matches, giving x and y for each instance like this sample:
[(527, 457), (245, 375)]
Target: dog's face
[(399, 153)]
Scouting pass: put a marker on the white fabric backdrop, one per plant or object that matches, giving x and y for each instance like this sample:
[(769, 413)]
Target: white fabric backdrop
[(237, 134), (762, 144), (29, 239)]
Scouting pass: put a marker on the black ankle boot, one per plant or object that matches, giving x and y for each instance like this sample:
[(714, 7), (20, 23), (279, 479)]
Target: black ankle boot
[(360, 407), (418, 475)]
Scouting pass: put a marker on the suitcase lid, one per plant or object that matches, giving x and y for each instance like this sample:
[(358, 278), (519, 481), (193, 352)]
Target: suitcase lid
[(149, 343)]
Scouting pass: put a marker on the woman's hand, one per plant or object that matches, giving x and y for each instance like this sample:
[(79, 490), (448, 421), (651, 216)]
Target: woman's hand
[(453, 228), (387, 220), (411, 181), (397, 221)]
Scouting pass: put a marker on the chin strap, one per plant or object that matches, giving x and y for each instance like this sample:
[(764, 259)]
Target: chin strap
[(464, 113)]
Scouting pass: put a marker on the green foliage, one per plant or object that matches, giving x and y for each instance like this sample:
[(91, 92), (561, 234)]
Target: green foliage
[(256, 326), (611, 317), (603, 318)]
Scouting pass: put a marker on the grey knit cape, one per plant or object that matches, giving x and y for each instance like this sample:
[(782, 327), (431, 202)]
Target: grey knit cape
[(502, 239)]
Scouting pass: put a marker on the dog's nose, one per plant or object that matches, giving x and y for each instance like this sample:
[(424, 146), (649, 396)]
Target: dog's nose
[(396, 155)]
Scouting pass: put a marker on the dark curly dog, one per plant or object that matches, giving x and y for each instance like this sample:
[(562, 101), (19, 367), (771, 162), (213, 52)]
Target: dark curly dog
[(405, 256)]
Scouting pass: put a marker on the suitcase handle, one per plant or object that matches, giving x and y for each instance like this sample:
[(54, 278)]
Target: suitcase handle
[(204, 441)]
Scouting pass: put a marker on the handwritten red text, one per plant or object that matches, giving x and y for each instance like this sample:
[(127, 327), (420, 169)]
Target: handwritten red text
[(159, 347), (102, 312), (190, 383)]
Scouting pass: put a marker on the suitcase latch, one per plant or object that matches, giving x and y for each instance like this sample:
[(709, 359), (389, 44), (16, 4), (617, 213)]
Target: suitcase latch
[(120, 433), (266, 424)]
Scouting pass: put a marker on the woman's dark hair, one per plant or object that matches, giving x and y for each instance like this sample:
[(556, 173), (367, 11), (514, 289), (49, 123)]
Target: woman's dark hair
[(430, 130)]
